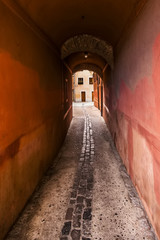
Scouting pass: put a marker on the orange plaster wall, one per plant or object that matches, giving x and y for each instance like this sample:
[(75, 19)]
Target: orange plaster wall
[(32, 109), (134, 107), (95, 91)]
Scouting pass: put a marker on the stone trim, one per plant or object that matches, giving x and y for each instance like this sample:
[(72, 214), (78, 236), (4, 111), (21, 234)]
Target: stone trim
[(88, 43)]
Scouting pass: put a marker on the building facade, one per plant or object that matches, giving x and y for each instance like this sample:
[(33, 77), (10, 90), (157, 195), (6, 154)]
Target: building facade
[(82, 88)]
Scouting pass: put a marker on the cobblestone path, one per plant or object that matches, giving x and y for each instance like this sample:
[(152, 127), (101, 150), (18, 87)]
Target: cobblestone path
[(86, 194), (79, 213)]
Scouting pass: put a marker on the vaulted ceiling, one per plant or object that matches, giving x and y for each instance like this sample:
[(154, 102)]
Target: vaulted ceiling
[(62, 20)]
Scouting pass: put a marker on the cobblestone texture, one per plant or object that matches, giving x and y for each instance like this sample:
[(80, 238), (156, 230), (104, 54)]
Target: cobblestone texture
[(87, 193), (80, 207), (43, 217)]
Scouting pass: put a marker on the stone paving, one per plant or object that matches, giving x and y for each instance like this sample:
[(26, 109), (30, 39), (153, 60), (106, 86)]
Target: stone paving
[(86, 194), (79, 213)]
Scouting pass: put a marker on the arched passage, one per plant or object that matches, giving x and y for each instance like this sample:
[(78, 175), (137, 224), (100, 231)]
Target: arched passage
[(87, 52), (90, 67), (88, 44), (33, 33)]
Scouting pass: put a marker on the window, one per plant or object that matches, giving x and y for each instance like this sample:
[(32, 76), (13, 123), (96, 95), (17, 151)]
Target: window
[(90, 80), (80, 81)]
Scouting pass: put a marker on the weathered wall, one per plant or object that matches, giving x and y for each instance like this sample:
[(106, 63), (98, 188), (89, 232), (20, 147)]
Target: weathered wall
[(134, 106), (34, 115)]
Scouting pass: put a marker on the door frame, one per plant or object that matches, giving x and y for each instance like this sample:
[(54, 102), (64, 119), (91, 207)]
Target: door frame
[(84, 95)]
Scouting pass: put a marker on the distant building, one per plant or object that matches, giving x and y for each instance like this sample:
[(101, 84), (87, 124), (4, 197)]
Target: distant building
[(82, 88)]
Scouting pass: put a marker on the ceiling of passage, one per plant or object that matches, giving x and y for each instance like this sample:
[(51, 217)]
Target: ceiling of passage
[(62, 19), (93, 62)]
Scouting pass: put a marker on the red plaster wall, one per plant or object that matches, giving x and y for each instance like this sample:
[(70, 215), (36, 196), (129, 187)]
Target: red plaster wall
[(106, 94), (34, 113), (134, 106)]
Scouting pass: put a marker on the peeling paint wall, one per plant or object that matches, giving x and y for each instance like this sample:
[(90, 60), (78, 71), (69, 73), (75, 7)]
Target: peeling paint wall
[(134, 106), (32, 107)]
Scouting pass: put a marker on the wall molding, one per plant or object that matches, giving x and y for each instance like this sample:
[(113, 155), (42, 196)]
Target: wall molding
[(106, 108), (66, 114), (67, 66), (105, 67)]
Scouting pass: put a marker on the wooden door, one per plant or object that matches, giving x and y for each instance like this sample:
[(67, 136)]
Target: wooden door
[(83, 96), (92, 96)]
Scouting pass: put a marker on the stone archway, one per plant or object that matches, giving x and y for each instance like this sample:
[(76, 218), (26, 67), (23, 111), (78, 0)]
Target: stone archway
[(88, 43), (90, 67)]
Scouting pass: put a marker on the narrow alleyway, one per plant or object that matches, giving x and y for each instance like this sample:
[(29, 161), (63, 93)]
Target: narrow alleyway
[(86, 194)]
